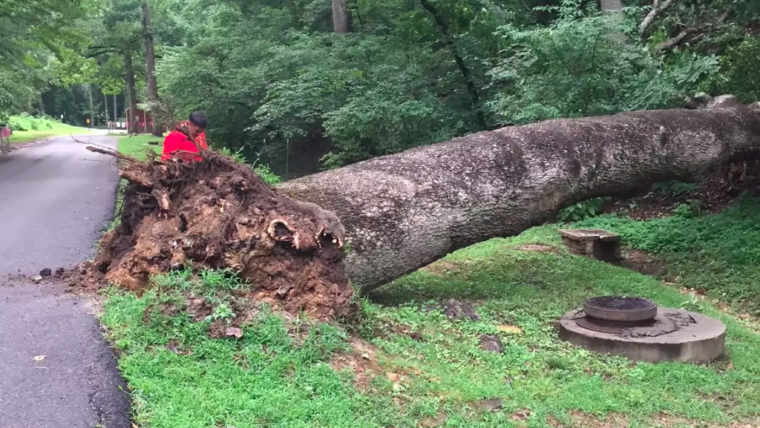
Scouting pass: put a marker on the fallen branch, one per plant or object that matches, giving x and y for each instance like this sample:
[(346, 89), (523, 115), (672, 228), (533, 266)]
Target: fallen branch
[(111, 152)]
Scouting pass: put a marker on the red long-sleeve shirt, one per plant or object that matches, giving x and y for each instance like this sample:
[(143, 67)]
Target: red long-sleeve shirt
[(177, 140)]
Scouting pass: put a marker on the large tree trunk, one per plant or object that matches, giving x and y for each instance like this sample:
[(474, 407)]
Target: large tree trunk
[(150, 61), (341, 17), (404, 211), (131, 92)]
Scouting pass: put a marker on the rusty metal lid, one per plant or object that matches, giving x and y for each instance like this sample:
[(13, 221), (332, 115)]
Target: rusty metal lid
[(620, 308)]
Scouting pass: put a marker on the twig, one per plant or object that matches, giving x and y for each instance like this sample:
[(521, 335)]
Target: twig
[(112, 152)]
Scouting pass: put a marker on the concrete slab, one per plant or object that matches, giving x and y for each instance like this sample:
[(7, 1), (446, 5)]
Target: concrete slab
[(697, 338)]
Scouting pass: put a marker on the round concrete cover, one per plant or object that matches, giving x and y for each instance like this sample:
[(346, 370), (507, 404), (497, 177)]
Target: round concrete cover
[(698, 338)]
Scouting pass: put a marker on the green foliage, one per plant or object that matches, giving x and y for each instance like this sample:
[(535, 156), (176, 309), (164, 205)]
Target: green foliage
[(676, 188), (738, 74), (263, 171), (583, 210), (580, 66), (714, 253), (690, 210), (266, 174)]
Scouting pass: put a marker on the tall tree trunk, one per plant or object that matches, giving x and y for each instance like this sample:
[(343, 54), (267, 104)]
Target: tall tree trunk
[(402, 212), (463, 69), (150, 63), (131, 92), (92, 112), (42, 105), (115, 110), (341, 17), (105, 106), (611, 5)]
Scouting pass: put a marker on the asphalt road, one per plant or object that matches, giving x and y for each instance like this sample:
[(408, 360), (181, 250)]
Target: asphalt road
[(55, 200)]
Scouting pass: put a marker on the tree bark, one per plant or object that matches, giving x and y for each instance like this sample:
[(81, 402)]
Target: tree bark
[(611, 5), (404, 211), (657, 8), (150, 61), (131, 92), (341, 17)]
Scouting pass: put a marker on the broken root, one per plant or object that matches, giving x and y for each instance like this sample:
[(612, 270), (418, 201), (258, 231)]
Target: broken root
[(218, 214)]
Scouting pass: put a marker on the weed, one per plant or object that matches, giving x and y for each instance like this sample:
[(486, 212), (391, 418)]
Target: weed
[(263, 171), (222, 312), (583, 210)]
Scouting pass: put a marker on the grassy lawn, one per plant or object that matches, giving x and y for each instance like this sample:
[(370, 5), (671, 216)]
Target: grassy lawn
[(405, 365), (138, 145), (27, 129)]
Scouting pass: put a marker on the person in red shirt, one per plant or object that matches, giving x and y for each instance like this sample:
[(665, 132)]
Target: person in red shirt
[(178, 139)]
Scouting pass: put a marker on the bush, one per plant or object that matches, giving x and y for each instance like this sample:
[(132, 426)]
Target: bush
[(583, 210), (263, 171)]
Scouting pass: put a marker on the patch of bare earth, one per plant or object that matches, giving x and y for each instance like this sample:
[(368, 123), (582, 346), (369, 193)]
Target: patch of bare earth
[(585, 420), (643, 262), (664, 420), (361, 361)]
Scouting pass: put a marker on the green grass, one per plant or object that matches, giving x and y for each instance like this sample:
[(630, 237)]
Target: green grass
[(138, 146), (280, 375), (717, 254), (28, 129)]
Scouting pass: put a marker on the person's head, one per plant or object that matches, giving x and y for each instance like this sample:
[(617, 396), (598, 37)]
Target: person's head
[(198, 122)]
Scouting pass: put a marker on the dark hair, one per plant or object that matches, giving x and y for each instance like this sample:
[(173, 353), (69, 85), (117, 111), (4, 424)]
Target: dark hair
[(198, 118)]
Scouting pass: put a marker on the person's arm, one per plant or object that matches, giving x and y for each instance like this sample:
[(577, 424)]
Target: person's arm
[(172, 143), (201, 140)]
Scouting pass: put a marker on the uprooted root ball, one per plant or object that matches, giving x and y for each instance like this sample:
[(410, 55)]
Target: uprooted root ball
[(219, 214)]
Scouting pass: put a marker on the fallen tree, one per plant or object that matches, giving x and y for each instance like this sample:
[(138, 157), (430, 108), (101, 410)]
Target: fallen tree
[(404, 211), (400, 212)]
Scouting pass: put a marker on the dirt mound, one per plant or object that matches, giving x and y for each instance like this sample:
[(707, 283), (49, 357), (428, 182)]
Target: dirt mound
[(218, 213)]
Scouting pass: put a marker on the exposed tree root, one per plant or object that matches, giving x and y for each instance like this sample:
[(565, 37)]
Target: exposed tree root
[(220, 214)]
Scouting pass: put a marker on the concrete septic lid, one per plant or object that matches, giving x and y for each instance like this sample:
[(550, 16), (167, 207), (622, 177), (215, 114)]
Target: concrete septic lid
[(698, 338), (589, 235)]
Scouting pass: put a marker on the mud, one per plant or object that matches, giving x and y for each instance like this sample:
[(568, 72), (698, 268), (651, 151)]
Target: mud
[(218, 214)]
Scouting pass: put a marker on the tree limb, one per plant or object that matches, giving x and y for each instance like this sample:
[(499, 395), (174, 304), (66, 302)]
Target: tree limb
[(674, 41), (691, 34), (111, 152), (657, 8)]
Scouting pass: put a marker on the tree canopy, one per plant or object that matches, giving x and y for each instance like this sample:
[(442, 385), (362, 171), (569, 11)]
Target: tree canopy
[(305, 85)]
